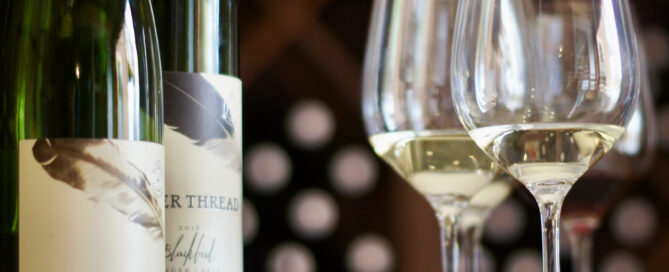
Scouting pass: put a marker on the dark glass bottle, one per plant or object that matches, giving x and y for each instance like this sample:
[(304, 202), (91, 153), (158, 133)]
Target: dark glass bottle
[(78, 75), (203, 131)]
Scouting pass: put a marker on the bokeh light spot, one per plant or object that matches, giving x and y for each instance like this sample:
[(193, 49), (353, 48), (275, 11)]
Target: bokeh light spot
[(353, 171), (291, 257), (250, 222), (313, 214), (310, 124), (370, 253), (268, 167)]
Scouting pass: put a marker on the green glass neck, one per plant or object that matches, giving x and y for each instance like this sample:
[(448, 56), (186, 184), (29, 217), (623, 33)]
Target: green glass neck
[(198, 36)]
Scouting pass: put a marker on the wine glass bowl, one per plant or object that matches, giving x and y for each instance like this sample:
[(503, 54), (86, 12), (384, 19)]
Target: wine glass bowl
[(546, 88), (407, 104), (539, 68)]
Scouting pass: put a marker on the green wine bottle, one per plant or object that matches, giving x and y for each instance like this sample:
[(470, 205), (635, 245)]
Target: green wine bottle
[(81, 124), (203, 134)]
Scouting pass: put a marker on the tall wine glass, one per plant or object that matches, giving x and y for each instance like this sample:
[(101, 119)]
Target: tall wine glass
[(606, 182), (546, 88), (473, 218), (409, 114)]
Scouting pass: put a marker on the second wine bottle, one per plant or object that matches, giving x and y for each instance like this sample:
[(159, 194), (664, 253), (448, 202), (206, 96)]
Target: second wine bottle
[(203, 134)]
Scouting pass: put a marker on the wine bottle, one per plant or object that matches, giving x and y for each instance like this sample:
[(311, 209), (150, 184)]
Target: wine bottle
[(82, 179), (203, 134)]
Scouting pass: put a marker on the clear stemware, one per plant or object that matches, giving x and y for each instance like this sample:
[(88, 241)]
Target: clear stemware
[(409, 113), (546, 88)]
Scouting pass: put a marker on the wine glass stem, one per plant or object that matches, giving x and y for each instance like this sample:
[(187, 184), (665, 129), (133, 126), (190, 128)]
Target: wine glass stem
[(550, 236), (449, 244), (471, 250), (581, 252)]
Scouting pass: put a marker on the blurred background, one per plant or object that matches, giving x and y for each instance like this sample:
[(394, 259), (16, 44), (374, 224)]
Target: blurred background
[(316, 197)]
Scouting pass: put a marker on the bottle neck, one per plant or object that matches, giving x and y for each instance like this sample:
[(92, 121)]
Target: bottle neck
[(201, 36)]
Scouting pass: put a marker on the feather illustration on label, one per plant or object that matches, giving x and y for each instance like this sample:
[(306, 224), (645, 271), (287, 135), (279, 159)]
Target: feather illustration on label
[(99, 169), (203, 184), (197, 110)]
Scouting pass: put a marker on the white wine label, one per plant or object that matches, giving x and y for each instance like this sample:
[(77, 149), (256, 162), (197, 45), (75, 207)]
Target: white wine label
[(203, 141), (91, 205)]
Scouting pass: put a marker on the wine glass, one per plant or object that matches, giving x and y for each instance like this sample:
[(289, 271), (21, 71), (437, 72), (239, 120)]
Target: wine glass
[(546, 88), (473, 218), (590, 199), (409, 114)]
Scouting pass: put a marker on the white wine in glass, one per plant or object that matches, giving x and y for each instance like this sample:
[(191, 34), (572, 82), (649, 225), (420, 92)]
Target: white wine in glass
[(557, 152), (441, 165)]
